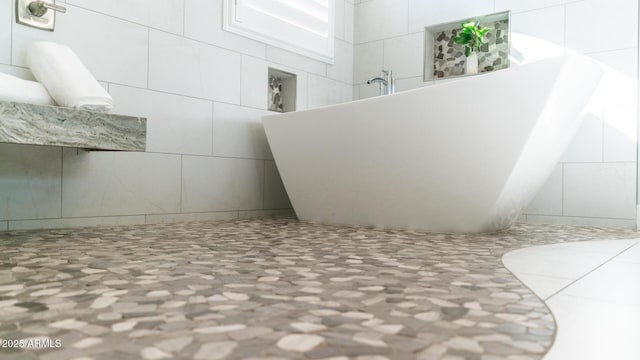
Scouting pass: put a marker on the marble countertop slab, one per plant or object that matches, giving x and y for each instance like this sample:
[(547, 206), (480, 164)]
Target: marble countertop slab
[(57, 126)]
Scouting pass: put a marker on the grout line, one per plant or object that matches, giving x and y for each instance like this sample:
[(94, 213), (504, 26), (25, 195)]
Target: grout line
[(61, 179), (564, 30), (562, 188), (184, 16), (591, 271), (148, 54)]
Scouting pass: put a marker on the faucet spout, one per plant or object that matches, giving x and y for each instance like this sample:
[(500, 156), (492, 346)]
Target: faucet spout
[(387, 84), (377, 79)]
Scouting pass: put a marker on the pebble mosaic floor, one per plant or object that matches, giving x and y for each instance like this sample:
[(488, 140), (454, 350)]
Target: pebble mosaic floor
[(271, 289)]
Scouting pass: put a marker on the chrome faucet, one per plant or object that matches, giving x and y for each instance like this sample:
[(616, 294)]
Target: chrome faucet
[(387, 84)]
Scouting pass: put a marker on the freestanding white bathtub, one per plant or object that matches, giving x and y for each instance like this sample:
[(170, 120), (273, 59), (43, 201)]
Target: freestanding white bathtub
[(460, 156)]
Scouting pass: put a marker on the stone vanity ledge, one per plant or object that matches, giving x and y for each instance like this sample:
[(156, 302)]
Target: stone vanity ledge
[(31, 124)]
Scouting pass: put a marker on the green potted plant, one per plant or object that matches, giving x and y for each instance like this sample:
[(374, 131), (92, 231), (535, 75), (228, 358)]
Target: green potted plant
[(471, 35)]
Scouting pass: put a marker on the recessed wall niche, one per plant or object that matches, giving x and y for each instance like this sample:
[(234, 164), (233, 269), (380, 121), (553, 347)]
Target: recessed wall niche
[(445, 59), (281, 91)]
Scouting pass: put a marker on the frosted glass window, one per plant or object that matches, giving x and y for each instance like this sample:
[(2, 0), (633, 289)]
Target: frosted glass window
[(302, 26)]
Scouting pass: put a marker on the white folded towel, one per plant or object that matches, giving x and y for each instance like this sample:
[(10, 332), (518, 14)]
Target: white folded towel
[(25, 91), (69, 82)]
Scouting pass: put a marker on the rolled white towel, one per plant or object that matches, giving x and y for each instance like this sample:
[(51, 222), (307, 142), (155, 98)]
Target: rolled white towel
[(69, 82), (25, 91)]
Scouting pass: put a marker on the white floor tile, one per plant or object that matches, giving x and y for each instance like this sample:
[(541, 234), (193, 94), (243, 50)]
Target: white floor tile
[(594, 330), (631, 255), (615, 282)]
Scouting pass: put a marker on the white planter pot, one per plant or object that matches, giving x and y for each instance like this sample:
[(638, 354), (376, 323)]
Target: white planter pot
[(472, 63)]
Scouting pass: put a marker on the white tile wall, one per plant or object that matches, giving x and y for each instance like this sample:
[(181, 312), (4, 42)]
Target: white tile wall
[(280, 56), (581, 221), (620, 133), (380, 19), (368, 90), (349, 27), (528, 23), (175, 124), (112, 183), (601, 25), (368, 60), (203, 22), (189, 67), (30, 182), (342, 70), (624, 61), (253, 82), (238, 132), (431, 12), (207, 216), (76, 222), (275, 195), (340, 25), (405, 55), (600, 190), (167, 15), (171, 62), (525, 5), (221, 184), (324, 91), (6, 19), (587, 143), (411, 83), (548, 201), (113, 50)]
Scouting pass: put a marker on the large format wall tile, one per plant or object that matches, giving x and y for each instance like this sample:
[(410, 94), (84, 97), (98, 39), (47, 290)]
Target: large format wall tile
[(238, 132), (551, 35), (30, 179), (76, 222), (221, 184), (188, 67), (368, 61), (517, 6), (380, 19), (404, 55), (548, 201), (113, 50), (620, 133), (175, 124), (116, 183), (342, 69), (324, 91), (275, 195), (424, 13), (167, 15), (586, 146), (284, 57), (601, 25), (600, 190), (203, 22), (6, 18)]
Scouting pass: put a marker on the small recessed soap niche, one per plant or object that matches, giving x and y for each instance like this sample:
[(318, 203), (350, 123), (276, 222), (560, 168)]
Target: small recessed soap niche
[(281, 91)]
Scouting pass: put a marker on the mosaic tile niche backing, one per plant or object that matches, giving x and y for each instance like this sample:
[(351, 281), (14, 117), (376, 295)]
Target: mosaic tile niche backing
[(449, 59)]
